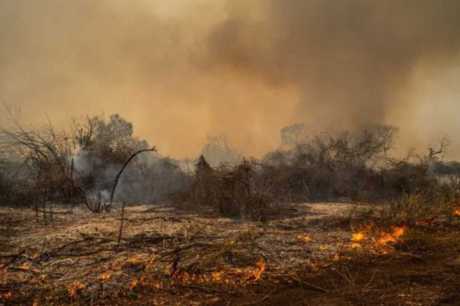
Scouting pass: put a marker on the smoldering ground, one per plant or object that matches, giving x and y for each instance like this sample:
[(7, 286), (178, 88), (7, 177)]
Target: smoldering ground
[(187, 69)]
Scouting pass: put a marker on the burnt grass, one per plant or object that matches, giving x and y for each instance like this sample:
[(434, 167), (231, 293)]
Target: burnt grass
[(423, 268)]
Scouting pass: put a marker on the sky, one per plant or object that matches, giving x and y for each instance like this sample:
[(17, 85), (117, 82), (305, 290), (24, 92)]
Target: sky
[(184, 70)]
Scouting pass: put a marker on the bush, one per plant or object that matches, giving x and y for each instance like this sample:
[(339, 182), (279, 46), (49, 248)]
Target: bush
[(232, 192)]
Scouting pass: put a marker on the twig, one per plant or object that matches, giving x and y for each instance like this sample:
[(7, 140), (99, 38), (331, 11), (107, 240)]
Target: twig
[(304, 284), (120, 231)]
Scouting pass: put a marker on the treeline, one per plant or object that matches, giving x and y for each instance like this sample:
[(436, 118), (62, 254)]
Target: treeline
[(79, 165), (348, 166)]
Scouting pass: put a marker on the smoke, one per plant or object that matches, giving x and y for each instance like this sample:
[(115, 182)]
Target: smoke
[(351, 59), (187, 70), (150, 178)]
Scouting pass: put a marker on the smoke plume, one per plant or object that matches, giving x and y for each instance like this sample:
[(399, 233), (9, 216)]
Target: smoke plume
[(186, 70)]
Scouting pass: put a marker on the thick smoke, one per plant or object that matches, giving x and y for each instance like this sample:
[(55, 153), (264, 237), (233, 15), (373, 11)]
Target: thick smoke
[(351, 59), (188, 69), (150, 178)]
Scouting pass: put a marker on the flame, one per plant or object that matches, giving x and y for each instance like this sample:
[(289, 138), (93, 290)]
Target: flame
[(261, 266), (230, 276), (105, 276), (386, 238), (381, 240), (133, 284), (362, 234), (75, 288), (456, 212), (358, 236), (217, 276), (304, 238)]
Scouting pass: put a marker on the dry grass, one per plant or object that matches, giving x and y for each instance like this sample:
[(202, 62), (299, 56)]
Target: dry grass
[(172, 257)]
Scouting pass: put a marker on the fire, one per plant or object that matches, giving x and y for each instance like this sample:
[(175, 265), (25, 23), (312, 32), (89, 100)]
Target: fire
[(230, 276), (217, 276), (457, 212), (75, 288), (386, 238), (362, 234), (381, 240), (304, 238), (260, 269), (358, 236), (105, 276), (133, 284)]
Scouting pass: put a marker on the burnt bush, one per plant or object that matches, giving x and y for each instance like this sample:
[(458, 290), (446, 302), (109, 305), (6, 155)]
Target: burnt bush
[(235, 192), (330, 167), (356, 167), (79, 165)]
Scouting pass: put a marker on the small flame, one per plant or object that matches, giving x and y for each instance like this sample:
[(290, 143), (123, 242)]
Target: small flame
[(75, 288), (105, 276), (386, 238), (456, 212), (217, 276), (231, 276), (304, 238), (261, 266), (358, 236), (133, 284)]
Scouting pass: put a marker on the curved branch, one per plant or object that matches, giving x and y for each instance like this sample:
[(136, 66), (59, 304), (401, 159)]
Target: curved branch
[(117, 178)]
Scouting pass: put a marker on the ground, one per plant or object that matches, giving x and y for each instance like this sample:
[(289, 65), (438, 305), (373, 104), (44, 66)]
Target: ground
[(311, 254)]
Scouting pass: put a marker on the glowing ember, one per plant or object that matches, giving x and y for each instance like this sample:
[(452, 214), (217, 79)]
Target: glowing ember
[(304, 238), (457, 212), (6, 296), (260, 269), (386, 238), (105, 276), (217, 276), (230, 276), (359, 236), (133, 284), (75, 288)]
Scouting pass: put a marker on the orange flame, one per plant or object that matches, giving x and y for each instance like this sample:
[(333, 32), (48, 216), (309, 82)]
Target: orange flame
[(105, 276), (75, 288), (386, 238), (231, 276), (456, 212), (260, 269), (358, 236), (304, 238), (133, 284)]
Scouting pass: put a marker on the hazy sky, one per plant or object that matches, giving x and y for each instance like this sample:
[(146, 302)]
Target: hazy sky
[(181, 70)]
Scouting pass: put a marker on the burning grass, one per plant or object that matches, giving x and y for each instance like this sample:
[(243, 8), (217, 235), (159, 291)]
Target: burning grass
[(170, 257)]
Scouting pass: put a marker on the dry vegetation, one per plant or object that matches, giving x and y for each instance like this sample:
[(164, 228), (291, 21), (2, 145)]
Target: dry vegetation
[(331, 220)]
